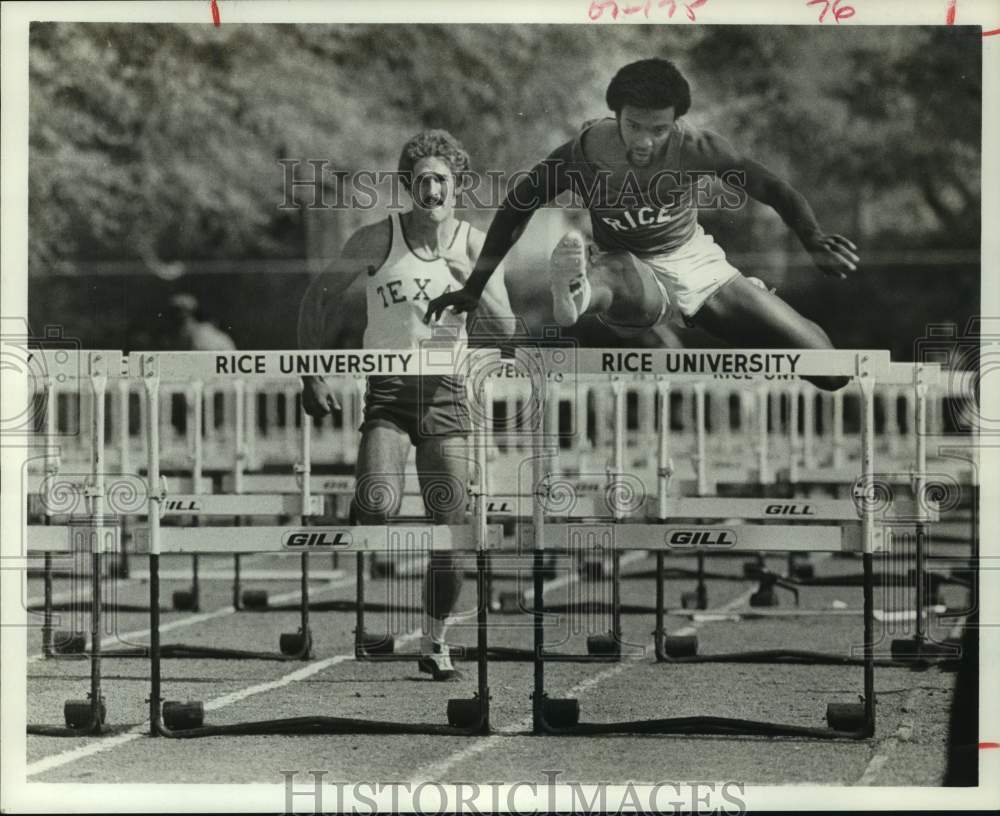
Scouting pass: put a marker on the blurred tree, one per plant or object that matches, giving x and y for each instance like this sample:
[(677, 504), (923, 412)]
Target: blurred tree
[(159, 144)]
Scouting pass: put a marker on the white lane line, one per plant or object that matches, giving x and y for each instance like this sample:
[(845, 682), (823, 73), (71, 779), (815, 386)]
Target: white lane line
[(887, 746), (436, 771), (108, 743), (904, 733), (201, 617)]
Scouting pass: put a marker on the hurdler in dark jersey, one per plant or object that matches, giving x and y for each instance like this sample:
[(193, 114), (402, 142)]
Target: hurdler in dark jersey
[(646, 152), (643, 211)]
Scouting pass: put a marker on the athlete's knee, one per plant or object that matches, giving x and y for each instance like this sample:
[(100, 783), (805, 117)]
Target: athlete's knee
[(444, 498), (376, 499), (820, 339), (829, 383)]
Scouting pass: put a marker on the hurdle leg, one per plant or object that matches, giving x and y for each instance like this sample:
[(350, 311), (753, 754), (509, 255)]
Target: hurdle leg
[(359, 605), (195, 405), (155, 679), (701, 590), (237, 602), (921, 587), (616, 600), (869, 615), (195, 586), (658, 631), (47, 610), (298, 645), (482, 642), (96, 698), (538, 696)]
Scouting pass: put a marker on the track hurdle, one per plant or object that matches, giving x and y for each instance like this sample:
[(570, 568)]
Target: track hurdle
[(292, 646), (186, 719), (90, 537), (844, 720), (930, 493)]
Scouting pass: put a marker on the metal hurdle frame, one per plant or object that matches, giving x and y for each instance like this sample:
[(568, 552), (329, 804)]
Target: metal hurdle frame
[(292, 646), (918, 512), (855, 721), (185, 719), (922, 378), (96, 532)]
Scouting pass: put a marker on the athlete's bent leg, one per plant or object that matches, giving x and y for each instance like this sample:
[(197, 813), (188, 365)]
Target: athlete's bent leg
[(610, 285), (747, 316), (379, 473), (443, 484)]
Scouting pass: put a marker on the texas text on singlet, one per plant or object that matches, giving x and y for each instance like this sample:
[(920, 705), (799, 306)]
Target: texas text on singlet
[(397, 294)]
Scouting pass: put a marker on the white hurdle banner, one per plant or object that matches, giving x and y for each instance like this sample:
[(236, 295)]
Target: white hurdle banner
[(865, 367), (428, 360), (549, 364)]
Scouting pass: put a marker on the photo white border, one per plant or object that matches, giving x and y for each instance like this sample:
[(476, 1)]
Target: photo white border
[(19, 796)]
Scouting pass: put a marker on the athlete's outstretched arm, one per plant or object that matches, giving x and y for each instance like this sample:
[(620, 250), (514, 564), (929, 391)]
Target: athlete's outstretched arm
[(539, 186), (324, 319), (833, 254), (324, 315)]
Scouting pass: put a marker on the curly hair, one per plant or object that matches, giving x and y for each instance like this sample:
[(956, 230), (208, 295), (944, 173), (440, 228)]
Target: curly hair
[(653, 84), (439, 143)]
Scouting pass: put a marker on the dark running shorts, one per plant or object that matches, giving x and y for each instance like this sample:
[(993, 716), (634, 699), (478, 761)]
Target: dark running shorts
[(421, 407)]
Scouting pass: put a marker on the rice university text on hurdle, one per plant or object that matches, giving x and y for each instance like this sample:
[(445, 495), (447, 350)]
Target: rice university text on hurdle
[(314, 364), (700, 362), (353, 362)]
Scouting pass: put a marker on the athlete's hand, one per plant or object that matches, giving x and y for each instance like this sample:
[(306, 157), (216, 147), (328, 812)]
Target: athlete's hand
[(833, 254), (317, 398), (459, 301)]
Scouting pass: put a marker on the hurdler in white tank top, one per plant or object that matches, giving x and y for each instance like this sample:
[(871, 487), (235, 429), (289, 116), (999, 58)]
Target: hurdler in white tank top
[(400, 289)]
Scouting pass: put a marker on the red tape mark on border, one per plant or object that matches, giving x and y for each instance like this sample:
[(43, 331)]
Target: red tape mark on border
[(949, 19), (984, 745), (217, 20)]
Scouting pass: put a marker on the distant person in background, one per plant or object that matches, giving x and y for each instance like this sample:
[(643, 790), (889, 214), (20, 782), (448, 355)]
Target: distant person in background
[(404, 261), (188, 330), (640, 174)]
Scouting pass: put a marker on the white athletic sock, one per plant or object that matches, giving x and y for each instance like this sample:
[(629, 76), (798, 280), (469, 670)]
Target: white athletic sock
[(570, 287)]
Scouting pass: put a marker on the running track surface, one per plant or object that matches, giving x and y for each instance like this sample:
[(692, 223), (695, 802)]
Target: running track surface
[(909, 747)]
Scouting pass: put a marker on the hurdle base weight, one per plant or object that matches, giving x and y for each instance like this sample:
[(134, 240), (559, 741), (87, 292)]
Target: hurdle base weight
[(920, 650), (605, 645), (77, 713), (296, 643), (179, 716), (679, 645), (464, 713), (561, 713), (69, 642), (848, 717), (184, 600), (254, 599), (695, 599)]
